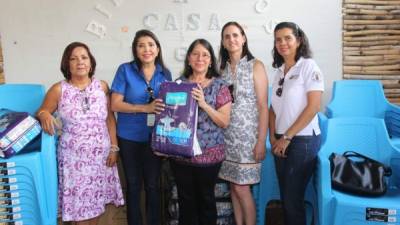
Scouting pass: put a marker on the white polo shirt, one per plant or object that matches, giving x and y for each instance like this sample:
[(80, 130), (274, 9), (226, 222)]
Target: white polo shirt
[(303, 77)]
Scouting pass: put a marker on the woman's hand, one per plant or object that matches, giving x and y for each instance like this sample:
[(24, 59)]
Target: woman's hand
[(112, 159), (198, 95), (159, 154), (156, 106), (279, 147), (48, 122), (259, 151), (272, 140)]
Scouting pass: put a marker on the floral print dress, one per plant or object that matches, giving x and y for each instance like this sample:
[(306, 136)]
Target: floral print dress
[(241, 135), (86, 184)]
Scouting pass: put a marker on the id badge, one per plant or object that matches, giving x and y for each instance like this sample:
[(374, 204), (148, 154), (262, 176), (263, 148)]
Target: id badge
[(151, 119)]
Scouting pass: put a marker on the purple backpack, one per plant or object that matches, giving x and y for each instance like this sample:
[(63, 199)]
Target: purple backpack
[(175, 128)]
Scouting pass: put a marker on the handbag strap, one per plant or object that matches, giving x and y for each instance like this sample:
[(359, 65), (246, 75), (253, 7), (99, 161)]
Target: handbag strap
[(387, 169), (358, 155)]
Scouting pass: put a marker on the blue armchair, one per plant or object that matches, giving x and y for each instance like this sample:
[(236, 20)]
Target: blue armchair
[(364, 98), (367, 136)]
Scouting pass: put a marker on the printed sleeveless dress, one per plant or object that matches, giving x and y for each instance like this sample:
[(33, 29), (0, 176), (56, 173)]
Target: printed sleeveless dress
[(86, 184), (241, 135)]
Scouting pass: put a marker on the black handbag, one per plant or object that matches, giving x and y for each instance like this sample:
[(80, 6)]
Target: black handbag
[(364, 177)]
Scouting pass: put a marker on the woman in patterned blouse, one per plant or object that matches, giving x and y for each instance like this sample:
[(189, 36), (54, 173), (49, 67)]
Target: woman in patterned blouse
[(196, 177)]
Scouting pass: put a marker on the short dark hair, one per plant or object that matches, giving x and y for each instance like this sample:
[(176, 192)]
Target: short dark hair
[(147, 33), (212, 70), (223, 53), (302, 51), (67, 55)]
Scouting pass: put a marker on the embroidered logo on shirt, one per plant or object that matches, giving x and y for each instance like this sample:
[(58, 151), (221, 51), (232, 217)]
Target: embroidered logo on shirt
[(295, 76), (316, 76)]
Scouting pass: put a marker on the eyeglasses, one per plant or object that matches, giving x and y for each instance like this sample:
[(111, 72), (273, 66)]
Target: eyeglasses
[(280, 88), (151, 94), (200, 55), (85, 104)]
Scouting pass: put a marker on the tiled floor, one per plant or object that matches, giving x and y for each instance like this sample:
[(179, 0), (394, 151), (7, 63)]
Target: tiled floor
[(114, 216), (117, 216)]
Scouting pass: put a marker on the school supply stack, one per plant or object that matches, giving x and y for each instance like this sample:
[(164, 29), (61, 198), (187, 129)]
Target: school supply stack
[(17, 129), (224, 205), (169, 193), (28, 171)]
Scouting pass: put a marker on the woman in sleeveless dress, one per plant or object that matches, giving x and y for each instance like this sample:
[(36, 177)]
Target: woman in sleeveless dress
[(245, 137), (87, 148)]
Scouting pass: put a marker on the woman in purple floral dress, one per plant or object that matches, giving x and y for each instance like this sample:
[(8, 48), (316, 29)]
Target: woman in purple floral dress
[(87, 150)]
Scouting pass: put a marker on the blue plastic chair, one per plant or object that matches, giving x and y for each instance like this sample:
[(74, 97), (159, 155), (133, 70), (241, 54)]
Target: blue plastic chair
[(36, 169), (355, 98), (367, 136), (21, 97)]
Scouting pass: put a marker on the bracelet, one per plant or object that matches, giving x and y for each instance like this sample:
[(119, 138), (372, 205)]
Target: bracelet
[(40, 112), (114, 148), (287, 137)]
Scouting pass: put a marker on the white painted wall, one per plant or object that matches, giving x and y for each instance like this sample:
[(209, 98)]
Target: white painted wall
[(34, 33)]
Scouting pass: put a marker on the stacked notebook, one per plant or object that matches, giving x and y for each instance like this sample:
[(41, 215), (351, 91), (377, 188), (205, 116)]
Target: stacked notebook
[(17, 129)]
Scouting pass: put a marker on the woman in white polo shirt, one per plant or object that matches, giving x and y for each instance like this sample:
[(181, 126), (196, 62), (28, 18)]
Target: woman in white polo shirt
[(293, 121)]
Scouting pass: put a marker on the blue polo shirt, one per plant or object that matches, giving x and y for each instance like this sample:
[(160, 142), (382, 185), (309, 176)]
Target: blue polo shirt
[(129, 81)]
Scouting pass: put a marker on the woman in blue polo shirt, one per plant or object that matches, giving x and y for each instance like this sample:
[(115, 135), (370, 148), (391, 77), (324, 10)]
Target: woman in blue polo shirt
[(134, 96)]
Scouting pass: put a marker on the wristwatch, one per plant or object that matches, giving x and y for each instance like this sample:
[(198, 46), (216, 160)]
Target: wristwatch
[(287, 137)]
